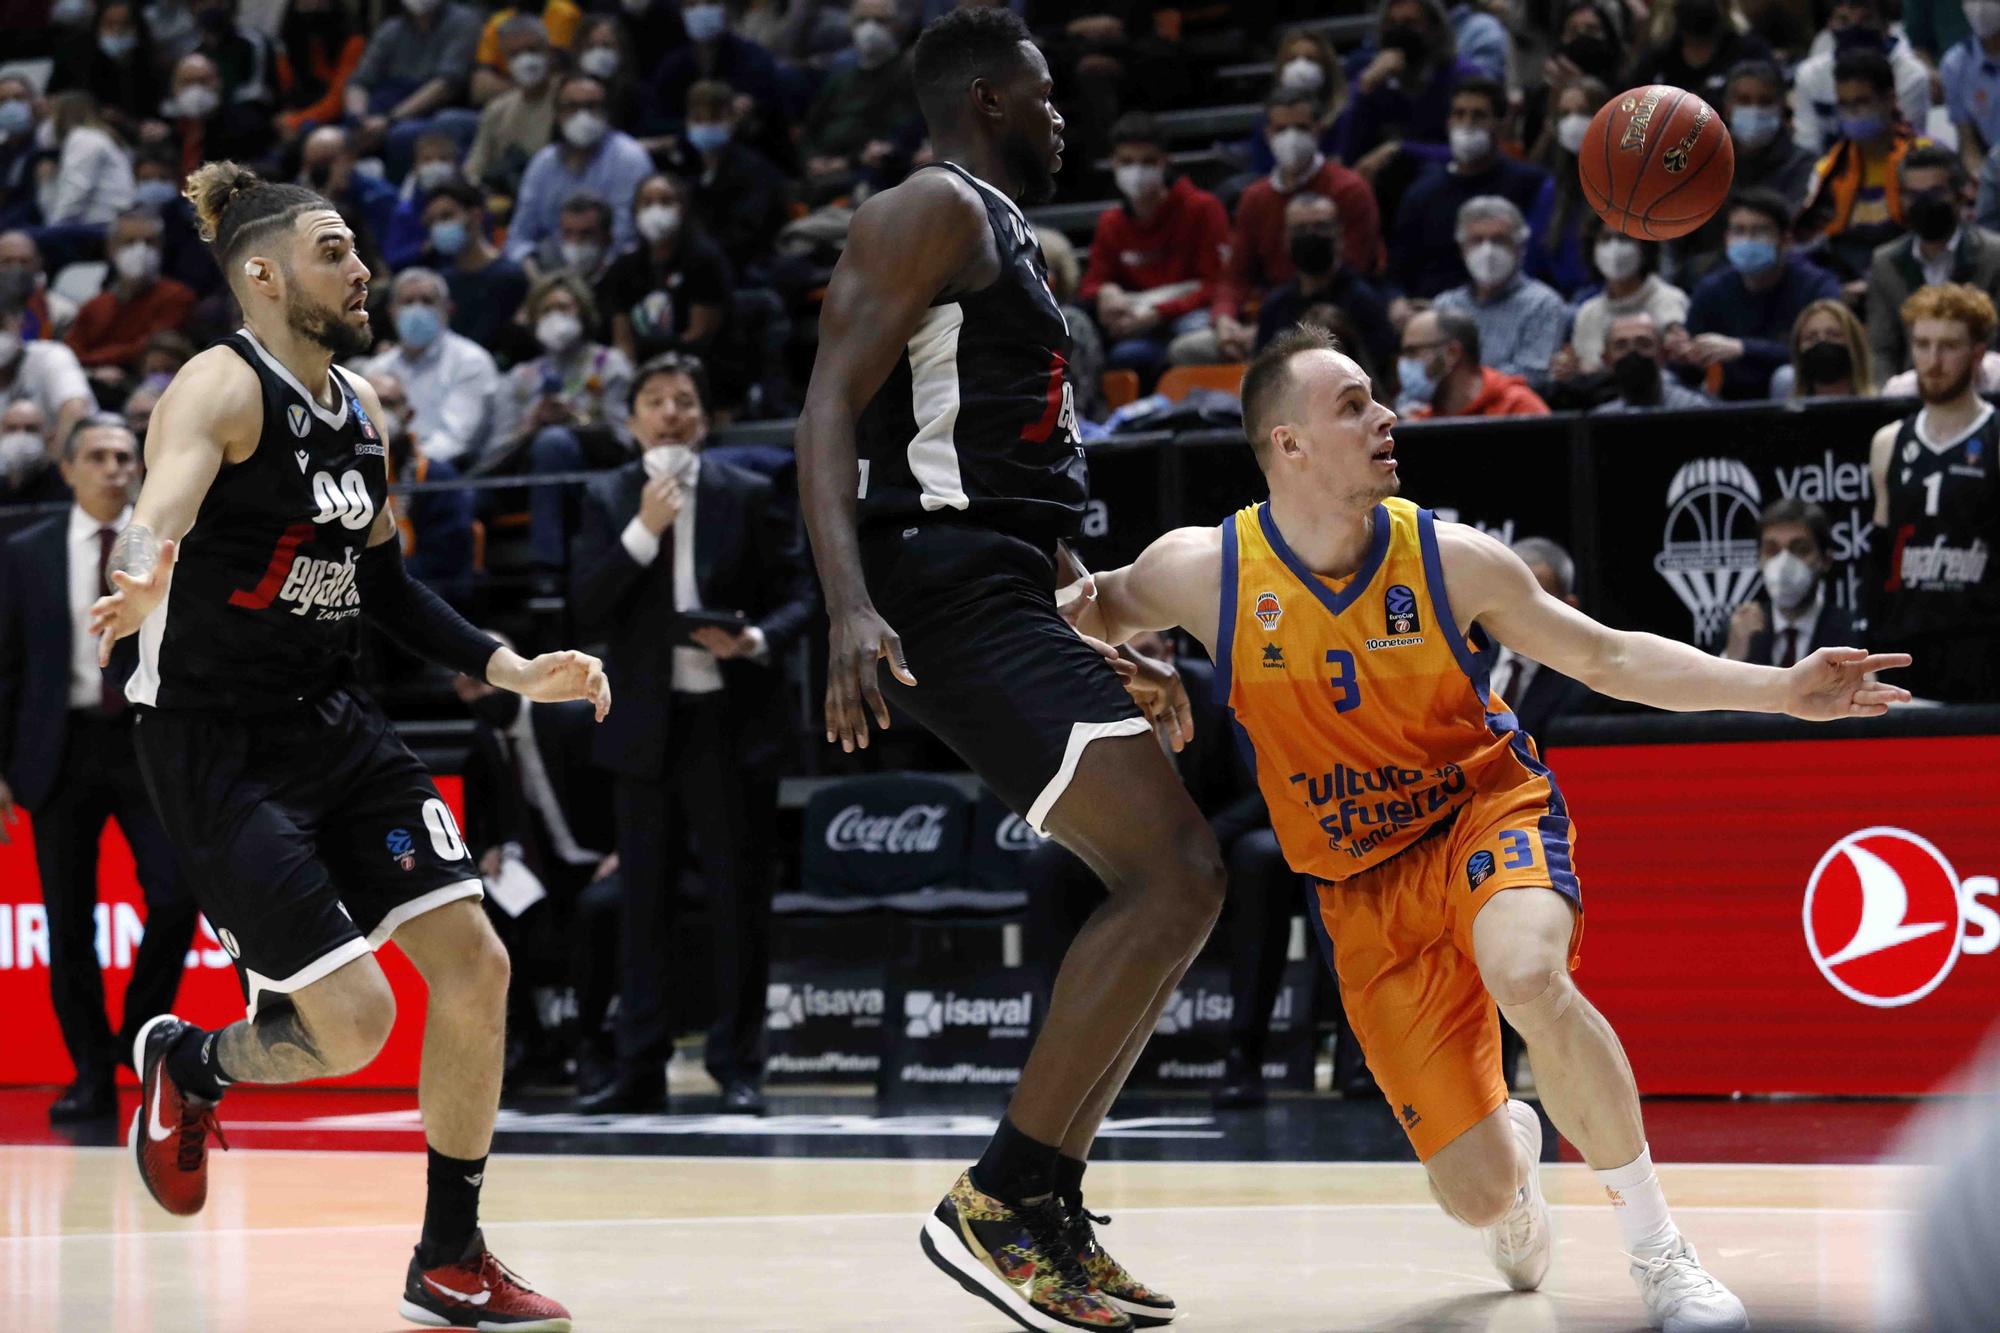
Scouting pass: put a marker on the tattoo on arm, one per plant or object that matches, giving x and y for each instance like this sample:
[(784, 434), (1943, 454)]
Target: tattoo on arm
[(136, 551), (277, 1047)]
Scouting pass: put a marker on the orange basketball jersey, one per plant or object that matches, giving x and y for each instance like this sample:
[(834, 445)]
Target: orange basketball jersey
[(1370, 716)]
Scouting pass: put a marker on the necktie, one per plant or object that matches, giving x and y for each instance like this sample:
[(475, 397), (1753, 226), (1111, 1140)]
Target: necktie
[(112, 699), (1788, 647), (1503, 679)]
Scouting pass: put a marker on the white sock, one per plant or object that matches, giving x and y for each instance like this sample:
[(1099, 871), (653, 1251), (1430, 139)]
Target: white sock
[(1640, 1206)]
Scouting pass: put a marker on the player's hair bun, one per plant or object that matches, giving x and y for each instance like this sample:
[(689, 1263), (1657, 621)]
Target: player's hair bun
[(213, 187)]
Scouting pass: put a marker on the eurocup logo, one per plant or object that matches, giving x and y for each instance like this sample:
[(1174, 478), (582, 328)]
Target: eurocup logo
[(1708, 555), (1886, 915)]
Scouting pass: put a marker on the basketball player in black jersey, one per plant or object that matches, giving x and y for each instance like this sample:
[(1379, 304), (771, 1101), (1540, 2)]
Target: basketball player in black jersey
[(1934, 589), (309, 832), (939, 467)]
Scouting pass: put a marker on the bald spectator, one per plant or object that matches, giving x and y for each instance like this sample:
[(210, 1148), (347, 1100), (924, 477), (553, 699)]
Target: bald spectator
[(1313, 239), (366, 202), (44, 372), (1635, 352), (1444, 377), (112, 329), (1538, 694), (416, 67), (450, 379), (587, 156), (519, 122), (1522, 321), (48, 313)]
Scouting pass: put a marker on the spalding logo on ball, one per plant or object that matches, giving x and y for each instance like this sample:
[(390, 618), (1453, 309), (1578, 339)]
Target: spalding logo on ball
[(1656, 162)]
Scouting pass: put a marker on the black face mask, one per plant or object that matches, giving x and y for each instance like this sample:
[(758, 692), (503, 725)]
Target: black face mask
[(1312, 253), (1412, 41), (1826, 363), (1637, 377), (1931, 216), (1699, 18), (498, 709), (1859, 37), (1592, 54)]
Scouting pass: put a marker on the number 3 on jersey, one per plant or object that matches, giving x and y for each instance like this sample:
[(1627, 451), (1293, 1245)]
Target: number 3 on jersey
[(346, 500), (1346, 685)]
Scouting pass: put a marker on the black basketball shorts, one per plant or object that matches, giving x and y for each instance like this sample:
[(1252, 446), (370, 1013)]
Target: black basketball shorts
[(308, 836), (1001, 678)]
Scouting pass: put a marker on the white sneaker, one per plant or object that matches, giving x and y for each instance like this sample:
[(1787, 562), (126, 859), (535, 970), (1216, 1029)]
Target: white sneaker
[(1682, 1297), (1521, 1243)]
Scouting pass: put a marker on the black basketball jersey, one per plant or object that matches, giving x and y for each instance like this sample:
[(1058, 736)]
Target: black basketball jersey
[(1944, 521), (262, 610), (977, 423)]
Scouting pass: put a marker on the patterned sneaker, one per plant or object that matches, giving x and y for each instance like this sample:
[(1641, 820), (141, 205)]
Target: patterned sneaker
[(169, 1136), (1016, 1259), (1148, 1308), (478, 1292), (1520, 1243), (1681, 1296)]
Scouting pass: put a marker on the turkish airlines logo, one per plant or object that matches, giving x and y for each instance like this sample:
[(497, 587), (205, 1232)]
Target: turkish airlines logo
[(1886, 917)]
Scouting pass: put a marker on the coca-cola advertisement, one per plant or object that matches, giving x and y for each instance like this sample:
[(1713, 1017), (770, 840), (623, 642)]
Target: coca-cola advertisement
[(1190, 1041), (823, 1023), (913, 829), (1001, 844), (880, 842)]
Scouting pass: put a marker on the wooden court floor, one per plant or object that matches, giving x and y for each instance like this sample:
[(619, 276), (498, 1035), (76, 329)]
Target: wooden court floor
[(310, 1241)]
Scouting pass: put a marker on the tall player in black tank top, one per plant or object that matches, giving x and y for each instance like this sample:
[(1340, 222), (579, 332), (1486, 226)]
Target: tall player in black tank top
[(939, 467), (309, 832)]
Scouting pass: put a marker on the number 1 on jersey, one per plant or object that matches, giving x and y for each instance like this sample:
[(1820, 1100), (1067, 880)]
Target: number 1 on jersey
[(1346, 685)]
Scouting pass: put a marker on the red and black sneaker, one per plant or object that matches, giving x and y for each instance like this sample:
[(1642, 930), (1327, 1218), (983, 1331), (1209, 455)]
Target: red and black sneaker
[(170, 1130), (478, 1291)]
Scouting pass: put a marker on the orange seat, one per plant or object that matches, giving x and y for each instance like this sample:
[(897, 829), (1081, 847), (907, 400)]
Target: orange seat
[(1178, 381), (1120, 387)]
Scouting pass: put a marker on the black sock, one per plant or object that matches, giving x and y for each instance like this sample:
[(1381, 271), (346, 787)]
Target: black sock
[(1015, 1168), (195, 1066), (1069, 1181), (451, 1208)]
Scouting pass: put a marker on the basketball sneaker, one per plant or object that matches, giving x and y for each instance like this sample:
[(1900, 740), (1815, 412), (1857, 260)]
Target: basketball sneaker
[(169, 1136), (1682, 1297), (477, 1291), (1520, 1243), (1016, 1258), (1146, 1308)]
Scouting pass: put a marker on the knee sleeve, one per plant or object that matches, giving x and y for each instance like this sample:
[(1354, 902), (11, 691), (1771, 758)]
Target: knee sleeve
[(1545, 1011)]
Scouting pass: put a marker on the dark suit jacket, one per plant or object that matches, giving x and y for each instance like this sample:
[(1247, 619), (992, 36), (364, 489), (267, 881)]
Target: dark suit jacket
[(748, 558), (35, 642), (497, 809), (1550, 695), (1834, 629)]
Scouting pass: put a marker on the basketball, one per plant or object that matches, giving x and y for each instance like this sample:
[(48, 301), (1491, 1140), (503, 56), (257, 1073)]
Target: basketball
[(1656, 162)]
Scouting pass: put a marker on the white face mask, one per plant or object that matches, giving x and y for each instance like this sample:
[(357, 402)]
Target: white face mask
[(433, 174), (581, 256), (137, 262), (599, 62), (1490, 263), (197, 101), (1790, 581), (420, 8), (20, 451), (1293, 147), (1983, 16), (1139, 178), (558, 330), (1571, 128), (656, 222), (528, 69), (584, 128), (874, 43), (10, 347), (1470, 145), (1617, 257), (1304, 73), (667, 460)]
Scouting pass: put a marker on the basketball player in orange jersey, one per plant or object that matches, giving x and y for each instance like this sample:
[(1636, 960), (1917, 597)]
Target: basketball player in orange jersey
[(1337, 617)]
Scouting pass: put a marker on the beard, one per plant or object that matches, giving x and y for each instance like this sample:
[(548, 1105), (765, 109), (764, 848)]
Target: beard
[(1030, 166), (326, 326), (1950, 391)]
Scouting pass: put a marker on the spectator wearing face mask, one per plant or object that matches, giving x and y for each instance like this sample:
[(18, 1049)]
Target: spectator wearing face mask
[(1305, 63), (1259, 248), (737, 194), (486, 287), (492, 72), (199, 126), (605, 49), (520, 121), (1856, 25), (48, 314), (1155, 259), (1589, 45), (1442, 374), (19, 112), (244, 55), (366, 202), (1768, 157), (582, 243), (1560, 253), (587, 156), (435, 526), (1970, 72), (1791, 617), (112, 328), (319, 48), (1741, 315), (711, 51), (114, 62), (1706, 40), (1424, 260), (449, 381), (92, 181), (411, 78), (28, 473), (43, 371), (866, 108), (1312, 233), (1635, 355), (1830, 357), (671, 294), (1631, 286), (1942, 247), (1855, 199), (1522, 321), (1403, 82), (437, 165)]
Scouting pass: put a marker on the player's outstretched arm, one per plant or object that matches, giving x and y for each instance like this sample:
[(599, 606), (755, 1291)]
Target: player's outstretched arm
[(1175, 582), (904, 247), (1488, 583), (213, 406)]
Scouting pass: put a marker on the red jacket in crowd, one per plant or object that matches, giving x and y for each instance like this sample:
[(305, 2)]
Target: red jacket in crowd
[(1260, 256), (108, 333), (1499, 396), (1186, 239)]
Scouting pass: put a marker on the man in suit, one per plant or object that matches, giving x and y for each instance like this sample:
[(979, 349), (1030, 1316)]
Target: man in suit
[(66, 755), (1942, 245), (1539, 694), (535, 819), (1792, 617), (673, 549)]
